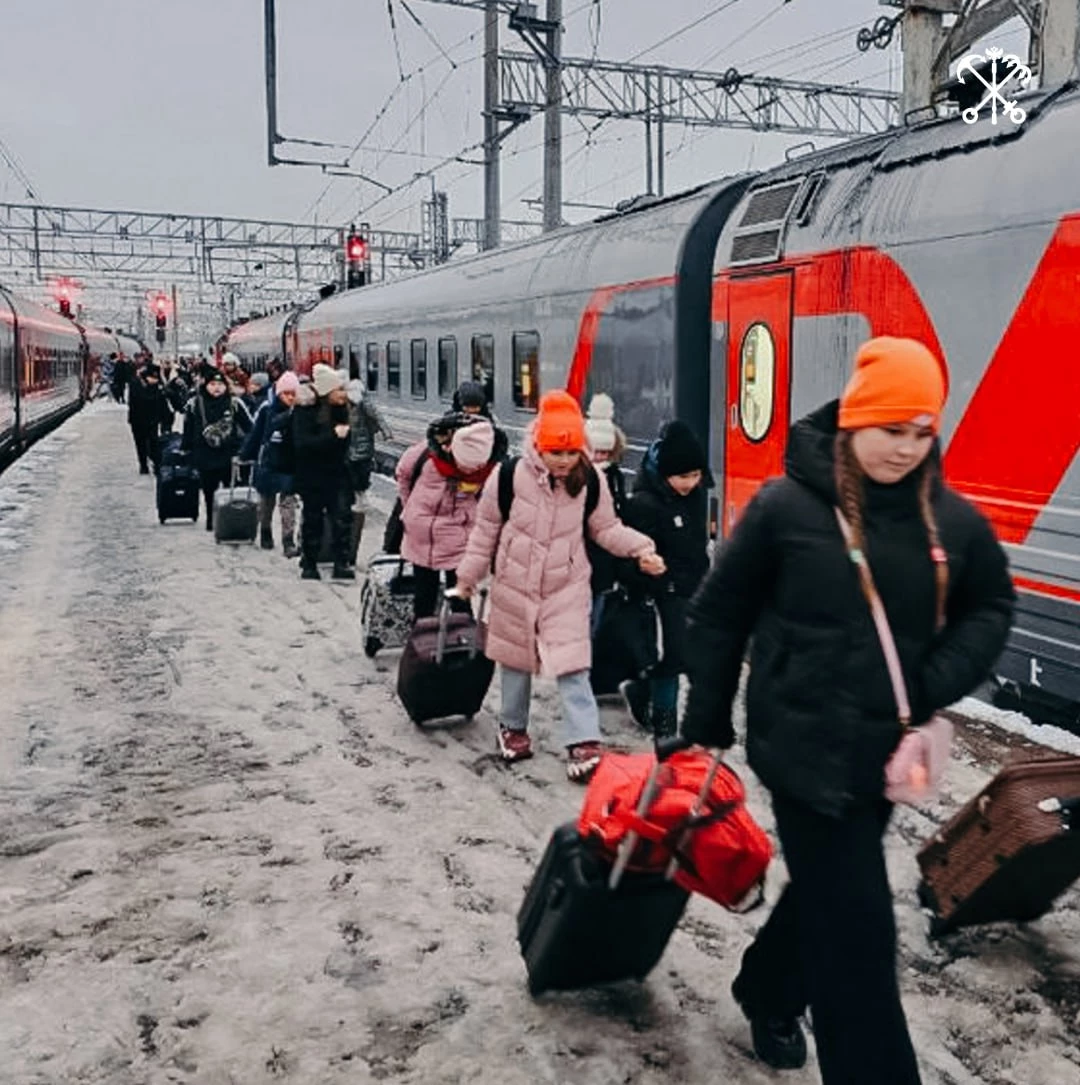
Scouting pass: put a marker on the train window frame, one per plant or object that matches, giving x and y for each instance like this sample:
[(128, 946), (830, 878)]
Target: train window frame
[(519, 353), (486, 374), (393, 367), (750, 366), (339, 354), (354, 361), (418, 368), (371, 367), (448, 376)]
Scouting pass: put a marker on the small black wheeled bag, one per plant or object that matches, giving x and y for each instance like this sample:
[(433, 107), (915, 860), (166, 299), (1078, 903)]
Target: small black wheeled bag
[(443, 671), (236, 511)]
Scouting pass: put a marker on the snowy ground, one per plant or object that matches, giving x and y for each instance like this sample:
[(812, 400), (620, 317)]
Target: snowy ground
[(227, 858)]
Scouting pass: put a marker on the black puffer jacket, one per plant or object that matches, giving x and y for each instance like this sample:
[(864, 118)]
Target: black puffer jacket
[(204, 410), (678, 525), (147, 407), (606, 568), (319, 452), (821, 716)]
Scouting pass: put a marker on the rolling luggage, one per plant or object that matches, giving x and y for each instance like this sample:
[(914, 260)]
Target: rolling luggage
[(586, 921), (177, 492), (1011, 851), (236, 512), (169, 449), (443, 671), (386, 604)]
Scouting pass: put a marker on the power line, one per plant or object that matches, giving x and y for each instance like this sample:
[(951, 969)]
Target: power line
[(684, 29)]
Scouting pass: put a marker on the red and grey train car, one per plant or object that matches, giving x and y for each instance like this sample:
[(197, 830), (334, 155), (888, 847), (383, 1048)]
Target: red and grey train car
[(46, 365), (739, 306)]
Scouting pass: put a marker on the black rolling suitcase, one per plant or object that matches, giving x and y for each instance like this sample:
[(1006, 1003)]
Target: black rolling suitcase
[(177, 492), (443, 671), (236, 512), (584, 921)]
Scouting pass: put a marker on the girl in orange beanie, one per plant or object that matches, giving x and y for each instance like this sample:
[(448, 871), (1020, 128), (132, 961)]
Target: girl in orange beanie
[(822, 719), (540, 595)]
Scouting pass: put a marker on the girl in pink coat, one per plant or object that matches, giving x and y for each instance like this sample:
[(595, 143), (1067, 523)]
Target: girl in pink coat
[(540, 596), (440, 481)]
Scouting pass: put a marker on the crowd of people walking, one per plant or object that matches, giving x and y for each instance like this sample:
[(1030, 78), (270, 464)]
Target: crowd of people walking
[(567, 544)]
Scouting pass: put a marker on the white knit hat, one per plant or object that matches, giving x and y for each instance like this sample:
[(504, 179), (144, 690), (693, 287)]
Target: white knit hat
[(600, 425), (324, 380)]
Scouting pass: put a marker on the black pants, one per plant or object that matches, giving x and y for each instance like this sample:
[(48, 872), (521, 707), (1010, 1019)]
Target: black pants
[(330, 496), (427, 598), (830, 944), (210, 479), (146, 444)]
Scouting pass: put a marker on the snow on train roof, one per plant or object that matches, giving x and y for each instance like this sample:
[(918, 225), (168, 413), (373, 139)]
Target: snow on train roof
[(614, 249), (260, 328)]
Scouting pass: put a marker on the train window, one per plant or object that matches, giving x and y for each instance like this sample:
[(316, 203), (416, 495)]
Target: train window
[(339, 353), (447, 367), (483, 364), (393, 368), (372, 378), (757, 381), (418, 352), (354, 363), (526, 354)]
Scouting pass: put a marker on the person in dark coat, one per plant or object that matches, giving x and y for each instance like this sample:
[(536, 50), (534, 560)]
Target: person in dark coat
[(821, 717), (471, 397), (148, 416), (269, 445), (321, 440), (607, 445), (213, 429), (670, 505), (123, 372)]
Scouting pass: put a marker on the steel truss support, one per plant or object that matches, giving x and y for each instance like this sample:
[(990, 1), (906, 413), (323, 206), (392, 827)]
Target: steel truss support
[(663, 95)]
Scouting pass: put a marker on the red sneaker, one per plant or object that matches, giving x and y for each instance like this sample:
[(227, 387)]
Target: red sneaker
[(582, 759), (514, 745)]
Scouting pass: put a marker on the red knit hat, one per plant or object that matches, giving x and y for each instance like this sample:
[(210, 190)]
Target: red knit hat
[(895, 380), (559, 426)]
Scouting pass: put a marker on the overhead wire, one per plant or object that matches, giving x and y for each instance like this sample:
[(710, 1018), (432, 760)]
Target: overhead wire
[(394, 34), (692, 25)]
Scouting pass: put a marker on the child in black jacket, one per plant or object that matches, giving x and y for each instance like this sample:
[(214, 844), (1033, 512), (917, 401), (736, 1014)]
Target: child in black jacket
[(670, 505)]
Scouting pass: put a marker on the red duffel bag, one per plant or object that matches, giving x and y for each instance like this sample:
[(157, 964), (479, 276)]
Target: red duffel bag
[(696, 827)]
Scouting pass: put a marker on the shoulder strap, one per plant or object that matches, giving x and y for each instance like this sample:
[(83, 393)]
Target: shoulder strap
[(418, 467), (592, 491), (881, 620), (506, 485)]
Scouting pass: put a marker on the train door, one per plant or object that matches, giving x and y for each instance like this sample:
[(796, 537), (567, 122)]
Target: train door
[(758, 386)]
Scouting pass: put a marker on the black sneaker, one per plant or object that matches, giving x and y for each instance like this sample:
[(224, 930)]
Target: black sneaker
[(266, 539), (637, 700), (343, 572), (310, 572)]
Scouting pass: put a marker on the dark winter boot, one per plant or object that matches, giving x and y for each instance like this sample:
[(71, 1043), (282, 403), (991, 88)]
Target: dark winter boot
[(288, 546), (358, 518), (309, 571), (343, 572), (665, 721), (637, 700), (266, 538), (778, 1041)]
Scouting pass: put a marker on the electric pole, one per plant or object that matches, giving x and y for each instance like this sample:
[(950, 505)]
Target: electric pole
[(492, 194), (553, 123)]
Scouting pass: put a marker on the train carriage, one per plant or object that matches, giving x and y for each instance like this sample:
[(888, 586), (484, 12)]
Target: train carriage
[(738, 307)]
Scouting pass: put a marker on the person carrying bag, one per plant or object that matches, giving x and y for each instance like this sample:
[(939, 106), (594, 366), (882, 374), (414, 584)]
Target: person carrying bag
[(823, 719)]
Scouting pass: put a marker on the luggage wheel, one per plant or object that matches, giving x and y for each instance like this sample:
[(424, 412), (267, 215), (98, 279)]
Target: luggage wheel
[(372, 646)]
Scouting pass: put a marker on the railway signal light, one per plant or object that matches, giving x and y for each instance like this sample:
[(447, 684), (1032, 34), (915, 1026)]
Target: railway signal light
[(161, 316), (356, 257), (63, 297)]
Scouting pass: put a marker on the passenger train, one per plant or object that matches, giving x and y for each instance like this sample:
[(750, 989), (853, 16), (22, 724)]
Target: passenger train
[(739, 306), (46, 365)]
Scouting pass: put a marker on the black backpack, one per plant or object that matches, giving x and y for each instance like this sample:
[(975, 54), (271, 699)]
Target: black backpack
[(506, 489), (394, 532)]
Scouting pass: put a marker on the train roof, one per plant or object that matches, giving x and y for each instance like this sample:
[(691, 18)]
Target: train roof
[(626, 247), (260, 329), (29, 314)]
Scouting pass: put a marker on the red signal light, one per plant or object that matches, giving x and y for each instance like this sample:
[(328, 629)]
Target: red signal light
[(357, 250)]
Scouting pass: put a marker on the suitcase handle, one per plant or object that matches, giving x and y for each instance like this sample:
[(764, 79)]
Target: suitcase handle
[(236, 465), (444, 615), (648, 793)]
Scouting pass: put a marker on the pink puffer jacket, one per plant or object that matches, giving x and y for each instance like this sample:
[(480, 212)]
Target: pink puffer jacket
[(438, 513), (540, 597)]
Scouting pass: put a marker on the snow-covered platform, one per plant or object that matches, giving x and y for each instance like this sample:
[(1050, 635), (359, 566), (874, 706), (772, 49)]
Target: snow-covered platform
[(227, 857)]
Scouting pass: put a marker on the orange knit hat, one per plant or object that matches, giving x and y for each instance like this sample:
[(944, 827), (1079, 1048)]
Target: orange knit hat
[(559, 426), (895, 380)]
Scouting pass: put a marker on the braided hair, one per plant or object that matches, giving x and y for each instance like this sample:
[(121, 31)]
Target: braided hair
[(849, 477)]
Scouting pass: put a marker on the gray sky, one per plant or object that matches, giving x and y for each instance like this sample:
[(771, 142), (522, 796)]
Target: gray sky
[(148, 105)]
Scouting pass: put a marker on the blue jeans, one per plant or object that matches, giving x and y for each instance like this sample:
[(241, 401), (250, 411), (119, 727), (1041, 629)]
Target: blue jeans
[(581, 717)]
